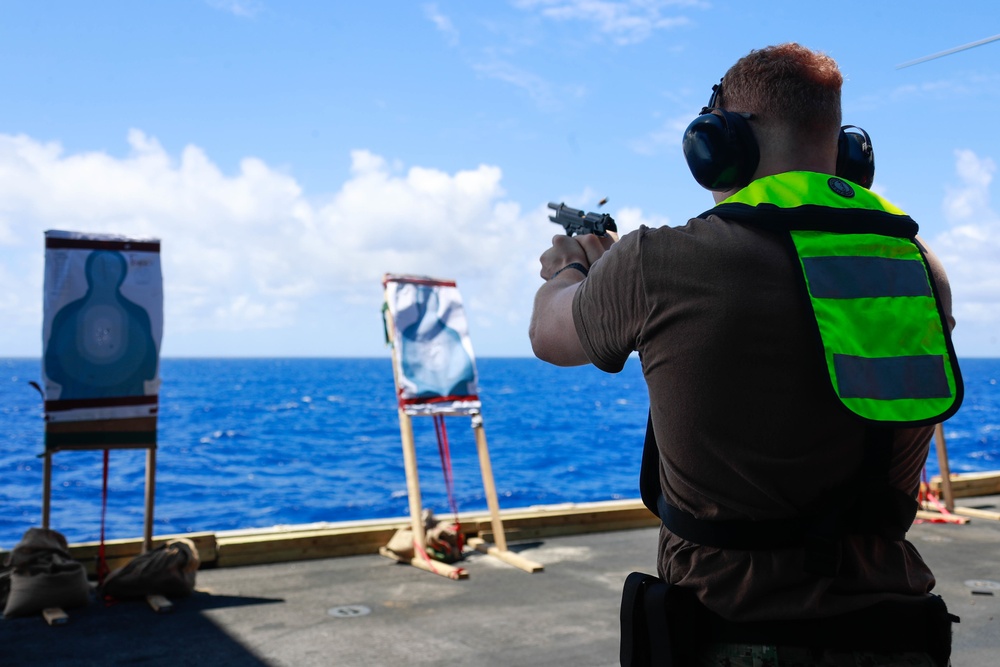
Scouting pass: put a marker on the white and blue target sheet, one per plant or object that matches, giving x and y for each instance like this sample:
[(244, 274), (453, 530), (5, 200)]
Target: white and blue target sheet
[(434, 363), (102, 326)]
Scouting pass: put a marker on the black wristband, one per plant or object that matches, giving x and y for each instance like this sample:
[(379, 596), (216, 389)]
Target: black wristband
[(575, 265)]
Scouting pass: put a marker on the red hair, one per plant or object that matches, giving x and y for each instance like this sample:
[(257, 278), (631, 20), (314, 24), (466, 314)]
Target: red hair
[(787, 84)]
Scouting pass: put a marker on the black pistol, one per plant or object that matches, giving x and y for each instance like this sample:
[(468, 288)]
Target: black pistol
[(575, 221)]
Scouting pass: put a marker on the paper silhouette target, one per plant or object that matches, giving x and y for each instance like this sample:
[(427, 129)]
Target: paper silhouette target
[(435, 365), (103, 326)]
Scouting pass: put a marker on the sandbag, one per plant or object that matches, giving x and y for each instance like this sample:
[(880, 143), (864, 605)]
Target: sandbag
[(442, 540), (401, 543), (42, 574), (168, 570)]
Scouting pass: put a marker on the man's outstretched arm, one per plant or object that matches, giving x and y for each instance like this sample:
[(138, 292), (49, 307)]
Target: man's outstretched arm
[(552, 332)]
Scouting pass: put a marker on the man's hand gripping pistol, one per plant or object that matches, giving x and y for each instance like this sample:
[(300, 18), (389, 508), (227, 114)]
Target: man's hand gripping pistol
[(575, 221)]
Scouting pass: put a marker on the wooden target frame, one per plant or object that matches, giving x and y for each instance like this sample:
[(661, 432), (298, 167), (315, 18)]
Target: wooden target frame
[(463, 404), (101, 332)]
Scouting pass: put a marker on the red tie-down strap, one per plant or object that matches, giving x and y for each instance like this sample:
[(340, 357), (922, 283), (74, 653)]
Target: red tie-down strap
[(445, 452), (102, 563)]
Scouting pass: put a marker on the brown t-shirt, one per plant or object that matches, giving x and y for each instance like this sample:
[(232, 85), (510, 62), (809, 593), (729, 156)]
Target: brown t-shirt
[(746, 422)]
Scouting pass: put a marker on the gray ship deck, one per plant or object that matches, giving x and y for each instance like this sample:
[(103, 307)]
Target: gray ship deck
[(366, 610)]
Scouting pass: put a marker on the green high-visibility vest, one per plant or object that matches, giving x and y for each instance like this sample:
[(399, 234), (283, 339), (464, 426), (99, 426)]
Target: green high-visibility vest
[(884, 335)]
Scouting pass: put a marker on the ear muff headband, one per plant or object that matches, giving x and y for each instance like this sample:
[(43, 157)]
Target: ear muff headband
[(722, 152)]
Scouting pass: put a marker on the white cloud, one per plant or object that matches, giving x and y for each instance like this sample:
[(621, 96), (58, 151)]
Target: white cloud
[(625, 21), (249, 250), (667, 137), (929, 89), (545, 94), (977, 85), (970, 252), (442, 23), (244, 8), (629, 219)]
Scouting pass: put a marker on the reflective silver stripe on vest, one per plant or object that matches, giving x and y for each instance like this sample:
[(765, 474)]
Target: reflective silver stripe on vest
[(890, 378), (863, 277)]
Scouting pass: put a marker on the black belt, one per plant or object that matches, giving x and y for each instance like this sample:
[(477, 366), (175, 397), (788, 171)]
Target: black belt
[(866, 505)]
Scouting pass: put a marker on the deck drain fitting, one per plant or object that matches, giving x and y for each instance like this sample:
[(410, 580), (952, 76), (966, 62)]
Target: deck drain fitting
[(349, 611), (983, 586)]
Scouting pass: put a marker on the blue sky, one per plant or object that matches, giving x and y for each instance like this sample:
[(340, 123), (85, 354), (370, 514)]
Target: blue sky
[(290, 153)]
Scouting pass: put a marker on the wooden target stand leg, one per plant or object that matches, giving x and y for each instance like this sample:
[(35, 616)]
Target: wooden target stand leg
[(416, 509), (946, 488), (944, 467), (943, 507), (55, 615), (499, 550), (958, 514), (147, 534)]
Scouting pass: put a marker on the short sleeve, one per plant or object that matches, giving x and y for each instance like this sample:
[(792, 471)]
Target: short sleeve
[(609, 307), (940, 279)]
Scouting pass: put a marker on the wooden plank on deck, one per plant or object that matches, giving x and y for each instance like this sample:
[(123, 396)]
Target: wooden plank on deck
[(119, 552), (293, 545), (970, 484)]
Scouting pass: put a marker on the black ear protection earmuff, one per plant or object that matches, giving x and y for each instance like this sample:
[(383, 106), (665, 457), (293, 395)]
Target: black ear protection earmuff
[(720, 148), (855, 157), (722, 152)]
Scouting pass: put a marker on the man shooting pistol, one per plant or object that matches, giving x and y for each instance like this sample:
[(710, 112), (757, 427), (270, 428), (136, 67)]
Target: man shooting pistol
[(595, 233), (576, 221), (785, 483)]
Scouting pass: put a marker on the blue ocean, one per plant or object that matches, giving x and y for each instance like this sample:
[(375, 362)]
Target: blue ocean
[(247, 443)]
